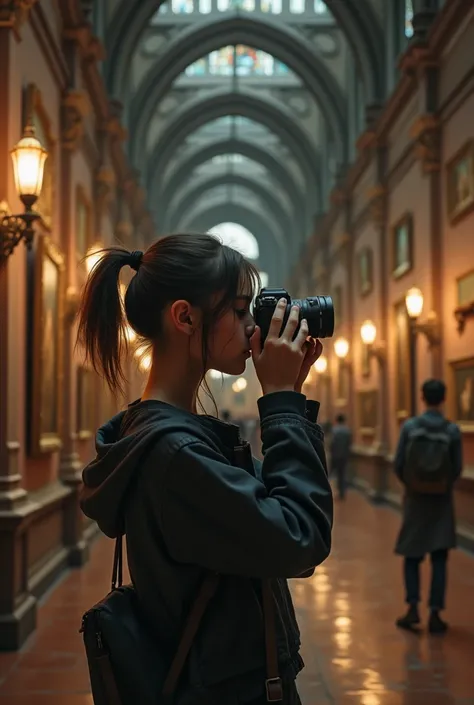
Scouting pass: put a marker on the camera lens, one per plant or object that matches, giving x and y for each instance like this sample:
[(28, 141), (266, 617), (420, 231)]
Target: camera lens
[(319, 312)]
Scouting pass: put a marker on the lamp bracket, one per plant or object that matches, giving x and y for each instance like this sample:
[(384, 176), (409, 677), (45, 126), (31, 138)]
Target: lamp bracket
[(378, 350), (430, 329), (462, 313), (13, 228)]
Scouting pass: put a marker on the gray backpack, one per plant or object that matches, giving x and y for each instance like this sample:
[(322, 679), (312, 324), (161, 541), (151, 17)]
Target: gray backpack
[(428, 465)]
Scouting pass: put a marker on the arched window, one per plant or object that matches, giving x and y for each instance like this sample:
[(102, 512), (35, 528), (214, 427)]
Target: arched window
[(408, 19), (238, 237), (248, 62), (297, 7), (182, 7)]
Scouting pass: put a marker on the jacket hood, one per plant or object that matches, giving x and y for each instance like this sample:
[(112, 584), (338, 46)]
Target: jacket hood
[(122, 445)]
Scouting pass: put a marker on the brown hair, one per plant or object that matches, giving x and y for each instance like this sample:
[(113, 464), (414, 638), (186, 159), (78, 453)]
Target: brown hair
[(193, 267)]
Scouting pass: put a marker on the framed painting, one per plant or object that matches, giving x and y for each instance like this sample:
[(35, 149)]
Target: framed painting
[(367, 412), (402, 361), (85, 402), (46, 283), (402, 246), (463, 386), (460, 182), (365, 271)]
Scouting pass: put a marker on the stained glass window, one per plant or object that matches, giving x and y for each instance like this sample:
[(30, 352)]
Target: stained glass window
[(247, 5), (249, 62), (408, 18), (320, 7), (205, 6), (182, 7), (272, 6)]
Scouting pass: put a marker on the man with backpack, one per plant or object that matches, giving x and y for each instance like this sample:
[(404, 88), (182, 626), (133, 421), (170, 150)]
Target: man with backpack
[(428, 462)]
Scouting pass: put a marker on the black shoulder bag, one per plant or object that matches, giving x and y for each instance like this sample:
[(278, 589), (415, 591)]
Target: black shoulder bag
[(127, 665)]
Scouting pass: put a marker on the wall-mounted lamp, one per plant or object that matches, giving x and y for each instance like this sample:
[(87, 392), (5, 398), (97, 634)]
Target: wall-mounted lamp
[(430, 328), (368, 334), (28, 159), (341, 348)]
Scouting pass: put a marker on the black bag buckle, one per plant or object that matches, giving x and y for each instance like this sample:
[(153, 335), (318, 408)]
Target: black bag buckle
[(274, 689)]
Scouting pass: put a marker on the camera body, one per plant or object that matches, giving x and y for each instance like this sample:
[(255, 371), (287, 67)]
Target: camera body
[(318, 311)]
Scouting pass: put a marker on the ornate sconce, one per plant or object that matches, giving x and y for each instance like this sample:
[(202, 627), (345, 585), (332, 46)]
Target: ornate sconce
[(462, 313), (430, 328), (368, 334), (28, 159)]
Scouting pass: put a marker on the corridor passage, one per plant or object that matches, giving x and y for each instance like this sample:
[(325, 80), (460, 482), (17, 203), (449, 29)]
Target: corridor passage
[(354, 655)]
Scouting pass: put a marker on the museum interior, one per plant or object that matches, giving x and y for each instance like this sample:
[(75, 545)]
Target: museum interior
[(332, 143)]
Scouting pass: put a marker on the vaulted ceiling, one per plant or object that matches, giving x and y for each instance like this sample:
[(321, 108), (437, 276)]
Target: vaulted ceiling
[(248, 110)]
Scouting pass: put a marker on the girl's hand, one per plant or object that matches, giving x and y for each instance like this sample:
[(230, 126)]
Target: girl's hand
[(278, 365), (314, 348)]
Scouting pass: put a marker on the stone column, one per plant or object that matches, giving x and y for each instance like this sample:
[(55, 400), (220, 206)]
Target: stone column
[(75, 107), (17, 606)]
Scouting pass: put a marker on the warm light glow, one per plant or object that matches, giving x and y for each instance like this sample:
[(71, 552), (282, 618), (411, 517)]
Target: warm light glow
[(93, 256), (28, 159), (239, 385), (321, 365), (215, 374), (414, 302), (145, 363), (341, 348), (130, 334), (368, 332)]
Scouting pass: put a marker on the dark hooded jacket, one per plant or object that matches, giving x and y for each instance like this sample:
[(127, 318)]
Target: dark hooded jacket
[(191, 499)]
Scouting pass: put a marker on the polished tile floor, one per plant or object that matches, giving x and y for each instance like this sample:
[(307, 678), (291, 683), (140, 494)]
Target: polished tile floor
[(354, 655)]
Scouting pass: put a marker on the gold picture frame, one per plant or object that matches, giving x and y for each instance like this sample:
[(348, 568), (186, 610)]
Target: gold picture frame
[(85, 409), (365, 268), (460, 182), (47, 271), (402, 246), (463, 393), (367, 411), (402, 360)]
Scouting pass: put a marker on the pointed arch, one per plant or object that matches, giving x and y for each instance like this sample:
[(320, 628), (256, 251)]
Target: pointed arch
[(270, 259), (191, 195), (284, 43), (275, 117), (356, 18), (247, 149)]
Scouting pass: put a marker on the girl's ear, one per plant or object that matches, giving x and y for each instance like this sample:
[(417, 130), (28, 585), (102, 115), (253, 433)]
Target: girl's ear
[(183, 317)]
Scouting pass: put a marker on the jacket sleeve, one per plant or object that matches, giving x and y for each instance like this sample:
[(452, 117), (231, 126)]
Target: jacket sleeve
[(221, 517)]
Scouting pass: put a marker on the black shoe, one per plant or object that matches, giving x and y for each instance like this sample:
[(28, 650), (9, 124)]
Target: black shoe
[(436, 625), (410, 620)]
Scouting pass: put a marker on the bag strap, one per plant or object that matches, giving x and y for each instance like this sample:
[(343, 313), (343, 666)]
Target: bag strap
[(206, 592), (273, 684)]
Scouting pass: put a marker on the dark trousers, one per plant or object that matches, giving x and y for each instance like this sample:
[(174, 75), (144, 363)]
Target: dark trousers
[(339, 469), (439, 561)]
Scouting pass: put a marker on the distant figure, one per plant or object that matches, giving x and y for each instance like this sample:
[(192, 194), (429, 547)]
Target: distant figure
[(341, 442), (428, 462), (225, 415)]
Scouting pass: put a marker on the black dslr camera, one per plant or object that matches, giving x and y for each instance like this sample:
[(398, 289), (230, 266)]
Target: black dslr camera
[(318, 311)]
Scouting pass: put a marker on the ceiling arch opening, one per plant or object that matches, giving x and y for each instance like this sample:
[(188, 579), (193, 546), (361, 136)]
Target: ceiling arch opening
[(238, 237)]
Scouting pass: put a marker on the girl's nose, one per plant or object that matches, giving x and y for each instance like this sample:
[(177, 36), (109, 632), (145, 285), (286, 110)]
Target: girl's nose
[(250, 329)]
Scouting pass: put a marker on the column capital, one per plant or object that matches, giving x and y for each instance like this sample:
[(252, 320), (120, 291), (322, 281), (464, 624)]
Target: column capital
[(75, 107), (426, 133), (14, 13), (377, 198)]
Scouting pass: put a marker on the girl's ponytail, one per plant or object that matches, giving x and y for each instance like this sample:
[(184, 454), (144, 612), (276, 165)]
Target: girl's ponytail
[(102, 331)]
